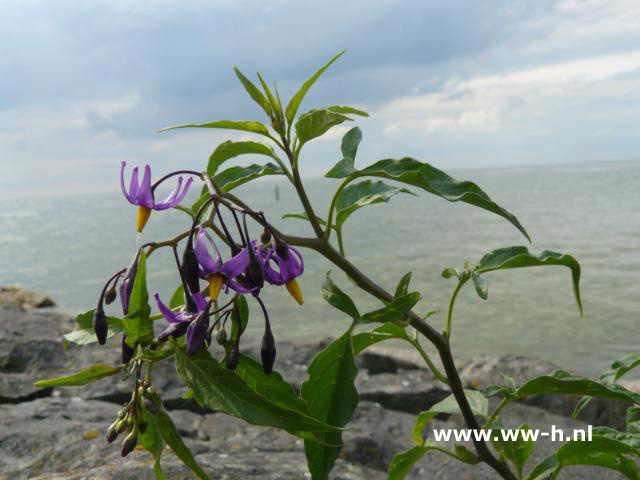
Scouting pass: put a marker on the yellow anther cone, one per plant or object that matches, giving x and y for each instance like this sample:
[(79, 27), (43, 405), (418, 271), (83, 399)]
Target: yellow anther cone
[(294, 290), (215, 284), (143, 216)]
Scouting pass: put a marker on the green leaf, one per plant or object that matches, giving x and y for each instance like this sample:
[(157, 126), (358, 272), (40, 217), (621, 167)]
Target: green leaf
[(218, 388), (403, 462), (386, 331), (151, 440), (561, 382), (239, 317), (253, 92), (358, 195), (481, 285), (315, 123), (171, 435), (83, 377), (245, 126), (520, 257), (347, 111), (629, 438), (345, 167), (338, 299), (233, 177), (436, 182), (84, 332), (272, 386), (138, 325), (518, 451), (230, 149), (303, 216), (295, 101), (186, 210), (600, 451), (395, 311), (633, 420), (403, 285), (477, 401), (204, 196), (332, 397)]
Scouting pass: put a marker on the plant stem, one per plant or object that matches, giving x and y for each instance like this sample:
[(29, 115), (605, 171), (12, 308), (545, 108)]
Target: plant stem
[(425, 356), (505, 401), (452, 301), (327, 233)]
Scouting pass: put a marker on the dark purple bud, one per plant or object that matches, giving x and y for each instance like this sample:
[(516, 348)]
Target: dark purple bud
[(197, 331), (127, 351), (221, 336), (190, 268), (265, 238), (234, 356), (268, 351), (100, 323), (129, 443), (112, 432), (174, 330), (126, 287), (142, 426), (253, 272), (110, 296), (150, 405), (282, 249)]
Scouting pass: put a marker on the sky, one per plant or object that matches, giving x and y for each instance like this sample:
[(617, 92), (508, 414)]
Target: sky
[(459, 84)]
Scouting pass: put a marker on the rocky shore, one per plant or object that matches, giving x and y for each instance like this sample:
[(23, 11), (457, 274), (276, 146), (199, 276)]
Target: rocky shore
[(59, 433)]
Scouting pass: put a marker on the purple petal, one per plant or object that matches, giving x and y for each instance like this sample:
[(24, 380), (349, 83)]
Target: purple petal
[(122, 187), (167, 201), (238, 264), (181, 196), (209, 265), (169, 316), (240, 287), (199, 300), (133, 186), (144, 193)]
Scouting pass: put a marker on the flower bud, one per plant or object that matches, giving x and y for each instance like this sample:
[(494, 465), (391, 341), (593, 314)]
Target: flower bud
[(190, 268), (142, 426), (151, 391), (112, 432), (100, 323), (221, 336), (126, 287), (129, 443), (127, 351), (197, 331), (282, 249), (141, 392), (268, 352), (110, 296), (150, 405), (265, 238), (234, 356)]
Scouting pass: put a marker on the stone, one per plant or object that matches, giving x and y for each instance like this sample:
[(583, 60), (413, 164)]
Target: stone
[(23, 298)]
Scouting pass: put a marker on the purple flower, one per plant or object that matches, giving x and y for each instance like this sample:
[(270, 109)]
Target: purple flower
[(289, 265), (141, 194), (195, 325), (218, 272)]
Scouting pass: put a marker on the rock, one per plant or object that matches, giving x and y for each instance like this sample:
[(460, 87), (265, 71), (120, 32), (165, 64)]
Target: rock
[(411, 391), (23, 298)]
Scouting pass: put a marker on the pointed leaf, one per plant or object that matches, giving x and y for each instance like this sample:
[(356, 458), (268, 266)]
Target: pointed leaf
[(151, 440), (218, 388), (253, 92), (437, 182), (347, 110), (83, 377), (481, 285), (171, 435), (231, 149), (84, 332), (386, 331), (600, 451), (332, 398), (403, 285), (295, 101), (394, 311), (403, 462), (304, 216), (337, 298), (138, 325), (316, 123), (245, 126), (177, 299), (233, 177), (342, 169), (350, 142), (239, 316), (518, 451), (560, 382), (358, 195), (520, 257)]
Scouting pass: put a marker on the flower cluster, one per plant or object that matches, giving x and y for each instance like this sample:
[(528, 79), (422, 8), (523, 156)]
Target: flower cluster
[(250, 265)]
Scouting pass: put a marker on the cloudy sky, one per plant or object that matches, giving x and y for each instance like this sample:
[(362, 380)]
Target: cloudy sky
[(460, 84)]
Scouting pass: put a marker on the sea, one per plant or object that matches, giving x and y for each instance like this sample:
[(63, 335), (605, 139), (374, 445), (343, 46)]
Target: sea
[(68, 246)]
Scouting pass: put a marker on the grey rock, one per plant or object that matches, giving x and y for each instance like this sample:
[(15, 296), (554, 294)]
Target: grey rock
[(23, 298)]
